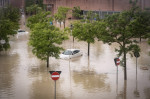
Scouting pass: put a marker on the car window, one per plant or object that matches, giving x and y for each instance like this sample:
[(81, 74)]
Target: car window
[(21, 31), (67, 52), (76, 51)]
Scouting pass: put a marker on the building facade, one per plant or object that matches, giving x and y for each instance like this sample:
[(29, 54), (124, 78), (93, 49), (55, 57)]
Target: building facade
[(17, 3), (14, 3), (94, 5), (4, 3)]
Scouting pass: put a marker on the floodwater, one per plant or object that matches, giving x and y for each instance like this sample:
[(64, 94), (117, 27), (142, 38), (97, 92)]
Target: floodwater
[(23, 76)]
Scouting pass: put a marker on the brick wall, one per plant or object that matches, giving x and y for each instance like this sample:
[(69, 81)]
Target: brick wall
[(103, 5), (17, 3)]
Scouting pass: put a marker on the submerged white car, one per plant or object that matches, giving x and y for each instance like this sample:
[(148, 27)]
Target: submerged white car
[(70, 53), (21, 32)]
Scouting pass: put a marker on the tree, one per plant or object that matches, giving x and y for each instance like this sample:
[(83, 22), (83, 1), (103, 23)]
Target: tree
[(61, 15), (33, 9), (32, 2), (84, 32), (59, 18), (45, 38), (76, 12), (33, 6), (9, 23), (122, 29), (29, 3)]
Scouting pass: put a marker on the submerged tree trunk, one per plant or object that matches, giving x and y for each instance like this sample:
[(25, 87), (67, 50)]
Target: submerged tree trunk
[(140, 38), (47, 61), (60, 24), (125, 69), (64, 24), (88, 49)]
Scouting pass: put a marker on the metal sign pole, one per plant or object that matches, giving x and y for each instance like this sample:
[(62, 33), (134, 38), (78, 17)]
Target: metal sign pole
[(136, 68), (117, 62), (55, 90), (55, 76), (117, 75), (117, 81)]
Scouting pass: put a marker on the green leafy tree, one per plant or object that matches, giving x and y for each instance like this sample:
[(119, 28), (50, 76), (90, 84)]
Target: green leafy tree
[(84, 32), (76, 12), (122, 29), (33, 6), (59, 18), (9, 23), (45, 38), (32, 2), (61, 15), (33, 9), (29, 3)]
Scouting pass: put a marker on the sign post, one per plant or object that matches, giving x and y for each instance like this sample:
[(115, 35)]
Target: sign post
[(55, 76), (136, 54), (117, 62), (136, 92)]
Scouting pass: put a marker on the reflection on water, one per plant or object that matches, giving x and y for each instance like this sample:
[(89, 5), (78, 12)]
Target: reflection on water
[(147, 93), (7, 66), (91, 81), (23, 76)]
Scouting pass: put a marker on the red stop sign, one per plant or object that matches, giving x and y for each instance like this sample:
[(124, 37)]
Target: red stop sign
[(55, 76), (117, 61)]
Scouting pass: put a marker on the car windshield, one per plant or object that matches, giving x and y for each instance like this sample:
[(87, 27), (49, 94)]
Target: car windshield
[(21, 31), (67, 52)]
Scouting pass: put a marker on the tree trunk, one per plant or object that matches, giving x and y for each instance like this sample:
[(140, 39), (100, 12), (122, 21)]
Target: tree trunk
[(47, 61), (60, 24), (125, 70), (88, 49), (64, 23), (140, 38)]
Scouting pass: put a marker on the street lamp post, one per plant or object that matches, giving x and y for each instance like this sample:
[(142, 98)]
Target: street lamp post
[(71, 27)]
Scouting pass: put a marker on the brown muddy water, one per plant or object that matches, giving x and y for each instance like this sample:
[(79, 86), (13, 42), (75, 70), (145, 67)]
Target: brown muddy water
[(23, 76)]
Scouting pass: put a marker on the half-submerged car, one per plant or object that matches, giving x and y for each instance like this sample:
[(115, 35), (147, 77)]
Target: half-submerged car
[(21, 32), (71, 53)]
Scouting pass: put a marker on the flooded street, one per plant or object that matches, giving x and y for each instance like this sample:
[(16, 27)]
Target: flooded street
[(23, 76)]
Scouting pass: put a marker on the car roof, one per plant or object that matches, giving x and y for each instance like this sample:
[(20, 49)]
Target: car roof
[(20, 29), (72, 49)]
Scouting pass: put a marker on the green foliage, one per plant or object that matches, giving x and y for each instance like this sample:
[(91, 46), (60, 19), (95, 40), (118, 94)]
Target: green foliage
[(33, 9), (133, 2), (76, 12), (61, 14), (91, 16), (29, 2), (40, 3), (123, 29), (119, 30), (45, 38), (9, 18), (38, 18), (84, 31), (32, 2)]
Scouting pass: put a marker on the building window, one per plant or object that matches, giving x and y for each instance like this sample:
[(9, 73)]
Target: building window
[(101, 14)]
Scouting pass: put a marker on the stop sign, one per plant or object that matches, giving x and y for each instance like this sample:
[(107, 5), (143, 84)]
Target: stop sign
[(55, 76), (117, 61)]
